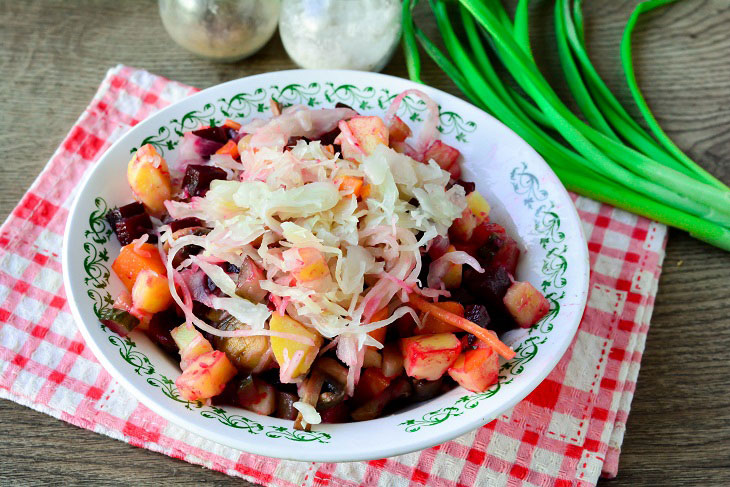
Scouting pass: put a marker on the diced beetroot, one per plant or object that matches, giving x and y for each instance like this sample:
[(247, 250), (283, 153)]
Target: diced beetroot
[(336, 414), (499, 249), (130, 222), (477, 313), (125, 211), (197, 178), (526, 304), (489, 289), (438, 248), (132, 228), (216, 134), (328, 138), (176, 225), (160, 327)]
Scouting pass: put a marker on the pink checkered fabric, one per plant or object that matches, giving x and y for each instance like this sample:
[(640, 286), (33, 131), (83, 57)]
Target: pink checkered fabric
[(567, 432)]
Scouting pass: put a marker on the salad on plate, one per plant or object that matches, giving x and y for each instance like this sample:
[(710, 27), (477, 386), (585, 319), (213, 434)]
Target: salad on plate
[(318, 265)]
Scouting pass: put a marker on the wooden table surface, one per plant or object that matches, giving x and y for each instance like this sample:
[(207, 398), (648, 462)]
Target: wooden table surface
[(54, 54)]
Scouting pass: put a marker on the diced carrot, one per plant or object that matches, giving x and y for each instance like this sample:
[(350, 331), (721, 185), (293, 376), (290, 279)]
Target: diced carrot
[(231, 124), (131, 261), (372, 382), (230, 148), (379, 333), (432, 325), (481, 333), (365, 191), (352, 183)]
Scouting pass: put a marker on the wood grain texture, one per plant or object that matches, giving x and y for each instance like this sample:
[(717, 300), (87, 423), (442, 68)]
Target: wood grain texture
[(53, 54)]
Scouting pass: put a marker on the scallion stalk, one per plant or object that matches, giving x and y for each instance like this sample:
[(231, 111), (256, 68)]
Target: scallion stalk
[(646, 177)]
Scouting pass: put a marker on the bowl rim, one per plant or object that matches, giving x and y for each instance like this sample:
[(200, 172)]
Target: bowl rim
[(418, 442)]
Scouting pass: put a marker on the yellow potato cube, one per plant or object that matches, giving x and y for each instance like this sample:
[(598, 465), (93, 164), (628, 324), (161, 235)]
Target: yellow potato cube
[(285, 324), (478, 205), (151, 292), (206, 376), (149, 179)]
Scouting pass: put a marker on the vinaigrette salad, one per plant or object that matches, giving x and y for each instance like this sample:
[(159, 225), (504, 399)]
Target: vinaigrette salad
[(318, 265)]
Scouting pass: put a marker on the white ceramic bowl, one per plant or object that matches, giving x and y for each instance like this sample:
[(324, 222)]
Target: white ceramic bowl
[(526, 198)]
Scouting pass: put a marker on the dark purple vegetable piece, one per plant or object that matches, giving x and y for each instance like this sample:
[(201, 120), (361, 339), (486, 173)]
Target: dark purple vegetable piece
[(119, 321), (328, 138), (424, 390), (159, 330), (477, 313), (130, 222), (197, 178), (462, 296), (336, 414), (216, 134), (400, 388), (489, 288), (188, 222), (499, 250), (133, 227), (285, 405)]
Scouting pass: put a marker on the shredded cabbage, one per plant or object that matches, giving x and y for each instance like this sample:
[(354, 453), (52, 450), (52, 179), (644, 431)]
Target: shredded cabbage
[(364, 254)]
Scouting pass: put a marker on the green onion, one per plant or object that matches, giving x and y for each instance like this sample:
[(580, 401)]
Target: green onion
[(641, 102), (609, 157)]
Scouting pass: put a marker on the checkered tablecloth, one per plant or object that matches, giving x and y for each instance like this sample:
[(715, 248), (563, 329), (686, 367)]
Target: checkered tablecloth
[(567, 432)]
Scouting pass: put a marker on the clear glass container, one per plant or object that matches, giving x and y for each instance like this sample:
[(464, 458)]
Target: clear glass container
[(222, 30)]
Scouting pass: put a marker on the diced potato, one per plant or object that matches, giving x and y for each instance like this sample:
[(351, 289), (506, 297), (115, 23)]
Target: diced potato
[(479, 206), (392, 360), (246, 353), (285, 324), (398, 130), (462, 228), (151, 292), (445, 156), (452, 278), (428, 356), (368, 132), (476, 370), (315, 267), (131, 261), (149, 179), (206, 376), (433, 325), (191, 342), (526, 304)]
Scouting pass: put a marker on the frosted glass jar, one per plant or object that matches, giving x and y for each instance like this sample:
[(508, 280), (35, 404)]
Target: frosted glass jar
[(340, 34)]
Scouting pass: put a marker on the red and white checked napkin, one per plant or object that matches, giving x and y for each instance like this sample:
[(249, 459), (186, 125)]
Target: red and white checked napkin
[(567, 432)]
